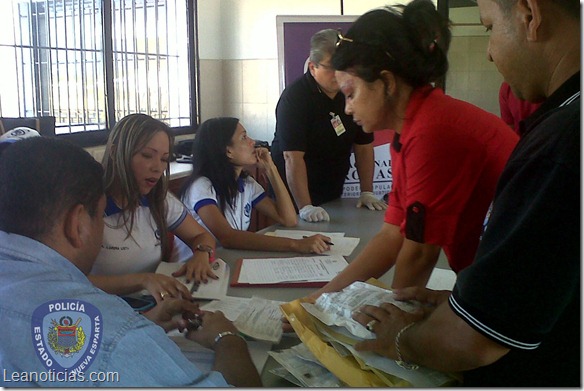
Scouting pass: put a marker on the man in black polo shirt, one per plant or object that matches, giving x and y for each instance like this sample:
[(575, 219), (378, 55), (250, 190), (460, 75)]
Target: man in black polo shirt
[(513, 317), (313, 139)]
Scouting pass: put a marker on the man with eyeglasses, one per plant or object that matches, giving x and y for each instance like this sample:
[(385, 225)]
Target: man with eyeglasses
[(314, 137)]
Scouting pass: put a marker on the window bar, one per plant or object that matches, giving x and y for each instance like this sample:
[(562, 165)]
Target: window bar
[(50, 98), (22, 59), (67, 77), (83, 58), (126, 63), (110, 114), (18, 81), (116, 47), (189, 26), (44, 67), (123, 66), (168, 60), (75, 56), (96, 54), (147, 58), (31, 59), (73, 72), (57, 86), (193, 61), (35, 59), (136, 83), (157, 48)]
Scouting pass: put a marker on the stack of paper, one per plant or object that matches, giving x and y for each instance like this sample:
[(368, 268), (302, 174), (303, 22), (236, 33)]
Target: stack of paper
[(298, 271), (301, 367), (328, 330), (256, 317)]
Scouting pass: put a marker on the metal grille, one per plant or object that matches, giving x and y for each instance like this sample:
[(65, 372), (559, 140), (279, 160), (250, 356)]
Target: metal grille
[(55, 55)]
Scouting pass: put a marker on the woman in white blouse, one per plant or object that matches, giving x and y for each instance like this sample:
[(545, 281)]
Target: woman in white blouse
[(220, 194)]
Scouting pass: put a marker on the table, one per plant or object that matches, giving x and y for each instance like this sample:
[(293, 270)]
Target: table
[(345, 217)]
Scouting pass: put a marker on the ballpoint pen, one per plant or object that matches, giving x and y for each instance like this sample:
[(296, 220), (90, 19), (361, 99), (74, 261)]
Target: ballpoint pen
[(326, 241)]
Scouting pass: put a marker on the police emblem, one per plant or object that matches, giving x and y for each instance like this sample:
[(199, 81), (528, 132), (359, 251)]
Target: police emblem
[(66, 339), (64, 344)]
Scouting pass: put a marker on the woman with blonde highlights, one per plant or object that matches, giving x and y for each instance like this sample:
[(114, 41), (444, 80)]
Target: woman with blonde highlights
[(141, 215)]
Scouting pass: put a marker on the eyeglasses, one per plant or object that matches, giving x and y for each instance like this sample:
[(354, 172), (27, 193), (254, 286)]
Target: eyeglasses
[(341, 38), (325, 67)]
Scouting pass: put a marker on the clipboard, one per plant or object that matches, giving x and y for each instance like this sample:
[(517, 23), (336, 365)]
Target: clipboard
[(288, 284)]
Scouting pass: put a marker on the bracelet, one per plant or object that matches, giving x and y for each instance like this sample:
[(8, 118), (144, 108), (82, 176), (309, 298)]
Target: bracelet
[(400, 361), (225, 334)]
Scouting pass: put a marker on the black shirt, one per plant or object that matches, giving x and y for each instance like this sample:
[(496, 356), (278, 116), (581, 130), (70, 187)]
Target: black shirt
[(303, 123), (523, 289)]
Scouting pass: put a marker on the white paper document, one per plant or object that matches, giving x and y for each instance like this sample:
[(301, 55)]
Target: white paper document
[(256, 317), (299, 269), (441, 279), (213, 289), (261, 319), (342, 245), (302, 364)]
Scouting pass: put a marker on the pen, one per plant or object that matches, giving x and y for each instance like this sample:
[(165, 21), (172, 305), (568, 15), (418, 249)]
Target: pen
[(326, 241)]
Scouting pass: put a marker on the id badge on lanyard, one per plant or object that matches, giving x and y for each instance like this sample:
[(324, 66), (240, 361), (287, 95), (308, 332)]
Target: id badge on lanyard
[(337, 124)]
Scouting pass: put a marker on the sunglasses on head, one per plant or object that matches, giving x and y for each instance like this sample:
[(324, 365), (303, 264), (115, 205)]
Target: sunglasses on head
[(341, 38)]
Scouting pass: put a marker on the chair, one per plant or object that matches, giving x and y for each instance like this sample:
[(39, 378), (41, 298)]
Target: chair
[(44, 125)]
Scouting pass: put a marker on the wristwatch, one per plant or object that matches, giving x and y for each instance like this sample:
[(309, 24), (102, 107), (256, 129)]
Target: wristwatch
[(205, 248)]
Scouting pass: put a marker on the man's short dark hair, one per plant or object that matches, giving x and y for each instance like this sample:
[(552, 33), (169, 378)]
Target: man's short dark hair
[(41, 179)]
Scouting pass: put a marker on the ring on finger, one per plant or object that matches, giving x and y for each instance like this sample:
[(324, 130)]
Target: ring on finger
[(164, 294), (371, 324)]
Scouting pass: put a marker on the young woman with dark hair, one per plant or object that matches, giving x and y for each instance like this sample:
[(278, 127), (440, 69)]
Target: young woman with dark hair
[(446, 155), (221, 195)]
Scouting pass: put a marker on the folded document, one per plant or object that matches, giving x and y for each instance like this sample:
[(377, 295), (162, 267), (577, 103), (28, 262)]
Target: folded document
[(213, 289)]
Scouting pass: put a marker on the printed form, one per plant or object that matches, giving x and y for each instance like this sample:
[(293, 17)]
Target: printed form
[(276, 270)]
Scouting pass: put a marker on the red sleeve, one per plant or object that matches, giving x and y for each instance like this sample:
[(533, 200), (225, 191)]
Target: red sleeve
[(394, 213)]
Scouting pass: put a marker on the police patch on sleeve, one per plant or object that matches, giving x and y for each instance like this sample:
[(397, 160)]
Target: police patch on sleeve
[(66, 334)]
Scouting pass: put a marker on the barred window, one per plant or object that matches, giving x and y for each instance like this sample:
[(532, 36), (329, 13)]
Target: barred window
[(91, 62)]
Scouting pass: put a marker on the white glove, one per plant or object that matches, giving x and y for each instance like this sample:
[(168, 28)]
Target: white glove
[(313, 214), (368, 199)]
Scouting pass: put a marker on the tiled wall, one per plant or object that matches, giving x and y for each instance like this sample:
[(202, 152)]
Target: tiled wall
[(249, 92), (471, 77), (250, 87)]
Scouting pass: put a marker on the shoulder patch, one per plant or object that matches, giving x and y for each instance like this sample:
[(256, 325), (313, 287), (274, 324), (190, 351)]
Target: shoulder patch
[(66, 334)]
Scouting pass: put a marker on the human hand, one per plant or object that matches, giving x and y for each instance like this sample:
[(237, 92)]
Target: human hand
[(369, 200), (161, 286), (212, 323), (197, 268), (385, 321), (313, 214), (428, 297), (315, 244), (168, 314), (264, 157)]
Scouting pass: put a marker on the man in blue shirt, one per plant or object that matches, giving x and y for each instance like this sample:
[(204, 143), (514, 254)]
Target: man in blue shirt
[(60, 330)]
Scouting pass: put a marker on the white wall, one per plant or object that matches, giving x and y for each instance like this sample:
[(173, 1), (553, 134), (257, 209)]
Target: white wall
[(239, 56)]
